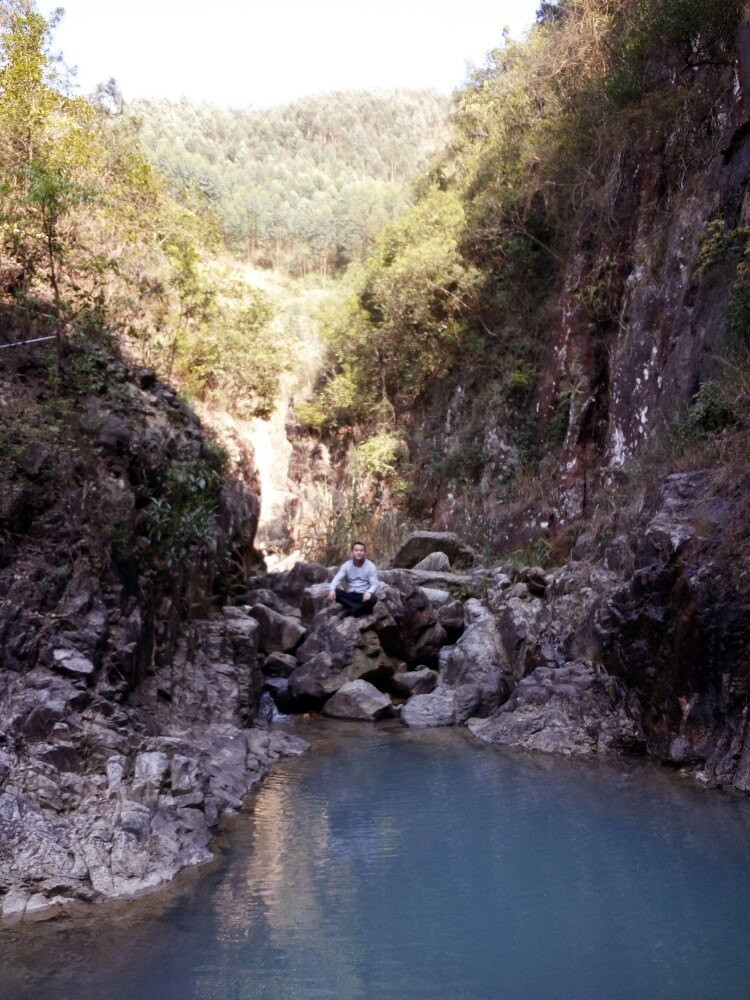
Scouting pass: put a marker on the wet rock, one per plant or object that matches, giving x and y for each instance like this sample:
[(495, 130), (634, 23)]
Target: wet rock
[(421, 544), (358, 700), (575, 709), (428, 710), (278, 688)]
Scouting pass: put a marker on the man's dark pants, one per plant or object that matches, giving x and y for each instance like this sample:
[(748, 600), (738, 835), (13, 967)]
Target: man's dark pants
[(355, 604)]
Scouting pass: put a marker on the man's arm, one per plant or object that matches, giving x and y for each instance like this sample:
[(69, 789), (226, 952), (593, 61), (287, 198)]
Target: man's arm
[(372, 580), (338, 578)]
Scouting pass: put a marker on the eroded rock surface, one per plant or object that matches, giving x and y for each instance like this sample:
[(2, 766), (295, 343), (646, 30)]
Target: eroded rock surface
[(574, 709), (108, 799)]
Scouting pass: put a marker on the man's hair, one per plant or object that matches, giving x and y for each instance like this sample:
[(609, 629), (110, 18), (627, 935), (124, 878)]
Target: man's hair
[(360, 543)]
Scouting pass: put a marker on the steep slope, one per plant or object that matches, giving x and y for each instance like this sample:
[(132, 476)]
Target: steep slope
[(568, 289)]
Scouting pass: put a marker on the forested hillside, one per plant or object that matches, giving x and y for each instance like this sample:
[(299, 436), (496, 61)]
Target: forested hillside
[(302, 187), (566, 295)]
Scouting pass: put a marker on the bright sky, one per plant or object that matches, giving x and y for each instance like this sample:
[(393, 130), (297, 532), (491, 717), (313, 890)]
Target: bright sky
[(261, 52)]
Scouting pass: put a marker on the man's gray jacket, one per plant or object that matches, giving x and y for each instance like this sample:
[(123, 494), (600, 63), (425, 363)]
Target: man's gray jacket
[(359, 579)]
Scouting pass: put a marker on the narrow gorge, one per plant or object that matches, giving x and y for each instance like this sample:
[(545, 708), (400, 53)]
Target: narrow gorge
[(510, 354)]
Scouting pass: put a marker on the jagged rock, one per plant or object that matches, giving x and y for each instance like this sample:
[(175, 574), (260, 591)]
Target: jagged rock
[(438, 598), (278, 688), (358, 700), (267, 597), (292, 584), (521, 624), (414, 682), (435, 561), (421, 544), (456, 583), (575, 709), (337, 651), (403, 626), (451, 615), (70, 661), (315, 599), (428, 710), (478, 660), (279, 665), (536, 580), (278, 633)]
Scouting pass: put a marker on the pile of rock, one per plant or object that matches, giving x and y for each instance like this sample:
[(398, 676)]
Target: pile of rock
[(491, 648)]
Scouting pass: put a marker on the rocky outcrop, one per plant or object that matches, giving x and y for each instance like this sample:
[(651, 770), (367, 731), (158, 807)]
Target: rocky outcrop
[(127, 704), (676, 630), (477, 667), (574, 709), (109, 797)]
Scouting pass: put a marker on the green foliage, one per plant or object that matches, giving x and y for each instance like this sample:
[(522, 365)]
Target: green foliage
[(307, 186), (181, 517), (382, 457), (722, 247), (400, 326), (546, 134)]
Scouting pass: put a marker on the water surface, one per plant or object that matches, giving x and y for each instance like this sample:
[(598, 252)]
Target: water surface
[(391, 864)]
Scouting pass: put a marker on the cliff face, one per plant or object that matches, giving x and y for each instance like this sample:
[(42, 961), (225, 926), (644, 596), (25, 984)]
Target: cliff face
[(125, 701), (629, 337)]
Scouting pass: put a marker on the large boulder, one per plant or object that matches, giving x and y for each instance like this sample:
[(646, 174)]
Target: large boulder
[(451, 615), (575, 709), (436, 561), (263, 595), (478, 662), (337, 651), (402, 627), (428, 710), (421, 544), (279, 665), (314, 600), (358, 700), (278, 633)]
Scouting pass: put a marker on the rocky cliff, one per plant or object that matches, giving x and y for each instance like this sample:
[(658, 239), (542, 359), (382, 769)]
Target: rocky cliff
[(126, 695)]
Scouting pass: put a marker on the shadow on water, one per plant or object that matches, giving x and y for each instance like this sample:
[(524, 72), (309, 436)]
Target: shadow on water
[(391, 864)]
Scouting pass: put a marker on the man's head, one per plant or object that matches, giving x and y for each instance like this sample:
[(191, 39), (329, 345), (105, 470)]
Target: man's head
[(359, 551)]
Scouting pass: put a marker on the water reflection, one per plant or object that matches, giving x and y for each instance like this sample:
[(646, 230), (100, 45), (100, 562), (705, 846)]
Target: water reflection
[(390, 864)]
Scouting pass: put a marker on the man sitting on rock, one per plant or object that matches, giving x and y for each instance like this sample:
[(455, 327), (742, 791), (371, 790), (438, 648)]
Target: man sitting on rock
[(361, 579)]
